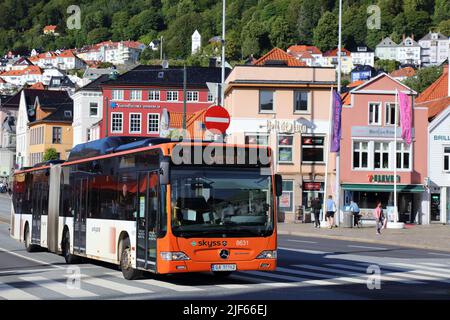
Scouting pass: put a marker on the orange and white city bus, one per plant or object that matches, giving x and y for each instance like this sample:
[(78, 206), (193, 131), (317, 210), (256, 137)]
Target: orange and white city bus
[(153, 205)]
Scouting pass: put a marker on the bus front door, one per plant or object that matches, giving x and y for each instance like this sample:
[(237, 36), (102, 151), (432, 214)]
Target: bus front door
[(81, 202), (36, 214), (146, 219)]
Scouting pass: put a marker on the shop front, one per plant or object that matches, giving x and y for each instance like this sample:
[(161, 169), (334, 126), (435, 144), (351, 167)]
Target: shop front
[(409, 199)]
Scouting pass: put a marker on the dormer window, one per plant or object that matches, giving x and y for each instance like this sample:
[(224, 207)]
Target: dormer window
[(67, 114)]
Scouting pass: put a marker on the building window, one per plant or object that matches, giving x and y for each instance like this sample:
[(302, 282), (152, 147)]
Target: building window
[(153, 95), (360, 155), (287, 198), (285, 148), (390, 114), (136, 95), (116, 122), (192, 96), (259, 139), (56, 135), (93, 109), (210, 97), (88, 135), (135, 123), (67, 113), (447, 159), (313, 149), (375, 113), (266, 101), (381, 155), (403, 158), (301, 101), (172, 95), (153, 122), (117, 95)]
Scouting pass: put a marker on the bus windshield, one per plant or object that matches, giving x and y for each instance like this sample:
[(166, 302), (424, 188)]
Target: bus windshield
[(221, 202)]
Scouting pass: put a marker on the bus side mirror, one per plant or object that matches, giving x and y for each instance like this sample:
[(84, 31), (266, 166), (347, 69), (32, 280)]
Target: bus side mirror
[(164, 171), (278, 185)]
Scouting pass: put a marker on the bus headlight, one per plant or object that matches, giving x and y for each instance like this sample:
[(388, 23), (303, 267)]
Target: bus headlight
[(267, 254), (174, 256)]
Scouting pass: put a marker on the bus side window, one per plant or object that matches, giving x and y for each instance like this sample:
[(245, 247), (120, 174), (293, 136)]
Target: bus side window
[(152, 201)]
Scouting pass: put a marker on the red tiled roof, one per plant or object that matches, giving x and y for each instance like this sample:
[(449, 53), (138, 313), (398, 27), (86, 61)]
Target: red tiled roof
[(404, 72), (306, 55), (333, 53), (27, 70), (280, 55), (298, 49), (438, 89), (67, 54), (346, 98), (355, 84), (50, 28), (176, 121), (435, 106), (38, 85)]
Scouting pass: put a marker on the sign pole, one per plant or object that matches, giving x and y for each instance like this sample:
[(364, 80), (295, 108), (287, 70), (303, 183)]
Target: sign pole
[(395, 156), (338, 185), (222, 96)]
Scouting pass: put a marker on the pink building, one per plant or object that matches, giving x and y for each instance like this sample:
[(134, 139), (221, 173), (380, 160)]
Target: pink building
[(369, 154)]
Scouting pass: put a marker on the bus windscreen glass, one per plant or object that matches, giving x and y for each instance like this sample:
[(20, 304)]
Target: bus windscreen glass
[(221, 202)]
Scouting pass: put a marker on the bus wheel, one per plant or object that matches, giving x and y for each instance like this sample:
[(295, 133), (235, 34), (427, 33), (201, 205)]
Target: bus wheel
[(222, 274), (70, 258), (28, 246), (125, 261)]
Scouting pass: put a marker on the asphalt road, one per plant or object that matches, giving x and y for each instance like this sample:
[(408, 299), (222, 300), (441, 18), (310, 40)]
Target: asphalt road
[(308, 268)]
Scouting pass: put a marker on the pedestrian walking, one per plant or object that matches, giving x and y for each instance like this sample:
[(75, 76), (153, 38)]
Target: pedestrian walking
[(355, 210), (316, 206), (331, 209), (379, 217)]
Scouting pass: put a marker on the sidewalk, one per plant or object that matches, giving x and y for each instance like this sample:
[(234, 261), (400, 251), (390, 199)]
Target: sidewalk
[(432, 237)]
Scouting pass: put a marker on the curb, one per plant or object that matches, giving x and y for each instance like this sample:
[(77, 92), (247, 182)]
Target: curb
[(385, 242)]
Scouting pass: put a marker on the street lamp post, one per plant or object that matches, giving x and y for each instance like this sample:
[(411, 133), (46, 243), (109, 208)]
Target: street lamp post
[(338, 185)]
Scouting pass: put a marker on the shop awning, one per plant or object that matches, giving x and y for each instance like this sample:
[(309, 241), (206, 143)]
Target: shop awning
[(383, 187)]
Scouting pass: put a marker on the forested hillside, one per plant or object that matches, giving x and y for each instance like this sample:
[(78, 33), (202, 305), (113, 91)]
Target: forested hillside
[(253, 26)]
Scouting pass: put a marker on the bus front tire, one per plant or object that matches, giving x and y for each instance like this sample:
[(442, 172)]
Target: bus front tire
[(125, 261), (27, 239), (70, 258)]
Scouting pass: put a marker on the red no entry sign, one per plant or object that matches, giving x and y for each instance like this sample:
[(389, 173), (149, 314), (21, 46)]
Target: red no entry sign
[(217, 118)]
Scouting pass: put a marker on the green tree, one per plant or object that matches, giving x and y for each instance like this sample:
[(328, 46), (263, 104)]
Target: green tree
[(387, 65), (280, 33), (444, 27), (98, 35), (441, 11), (308, 18), (326, 32), (423, 78), (50, 154)]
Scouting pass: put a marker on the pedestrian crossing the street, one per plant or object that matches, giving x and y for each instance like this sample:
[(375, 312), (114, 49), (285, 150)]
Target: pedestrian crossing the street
[(111, 285)]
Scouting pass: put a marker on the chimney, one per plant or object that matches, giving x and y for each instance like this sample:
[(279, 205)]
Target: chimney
[(403, 37), (412, 36)]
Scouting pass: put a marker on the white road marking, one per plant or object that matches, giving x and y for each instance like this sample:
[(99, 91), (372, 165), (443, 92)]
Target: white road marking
[(233, 286), (441, 265), (366, 247), (384, 277), (30, 259), (419, 267), (43, 270), (10, 293), (439, 254), (304, 250), (59, 287), (168, 285), (301, 241), (124, 288), (291, 278)]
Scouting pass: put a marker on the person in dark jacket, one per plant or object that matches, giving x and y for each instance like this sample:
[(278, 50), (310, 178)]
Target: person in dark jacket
[(316, 205)]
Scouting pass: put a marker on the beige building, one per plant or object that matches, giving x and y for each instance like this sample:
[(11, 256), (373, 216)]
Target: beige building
[(288, 109)]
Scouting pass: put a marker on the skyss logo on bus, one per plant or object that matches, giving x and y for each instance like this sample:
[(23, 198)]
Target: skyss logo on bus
[(209, 244)]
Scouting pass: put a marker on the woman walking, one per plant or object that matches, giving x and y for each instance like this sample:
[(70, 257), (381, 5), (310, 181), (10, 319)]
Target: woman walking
[(379, 217)]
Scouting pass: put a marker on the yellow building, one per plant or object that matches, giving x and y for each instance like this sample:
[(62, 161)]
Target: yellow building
[(51, 128)]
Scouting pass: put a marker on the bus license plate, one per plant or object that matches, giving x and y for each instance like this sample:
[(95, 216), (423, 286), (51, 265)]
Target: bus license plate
[(223, 267)]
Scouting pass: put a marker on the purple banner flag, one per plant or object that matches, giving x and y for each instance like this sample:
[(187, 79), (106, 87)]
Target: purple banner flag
[(336, 129), (405, 117)]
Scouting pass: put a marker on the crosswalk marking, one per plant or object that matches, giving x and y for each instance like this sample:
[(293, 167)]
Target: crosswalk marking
[(304, 250), (289, 278), (168, 285), (416, 266), (384, 277), (124, 288), (233, 286), (440, 265), (11, 293), (59, 287)]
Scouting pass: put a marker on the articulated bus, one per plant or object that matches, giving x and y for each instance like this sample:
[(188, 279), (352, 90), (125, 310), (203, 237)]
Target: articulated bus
[(152, 204)]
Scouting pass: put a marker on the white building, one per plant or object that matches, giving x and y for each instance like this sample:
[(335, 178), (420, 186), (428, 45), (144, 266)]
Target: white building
[(118, 53), (386, 49), (87, 110), (65, 60), (8, 119), (435, 48), (408, 51), (196, 42), (363, 56), (439, 167), (29, 75)]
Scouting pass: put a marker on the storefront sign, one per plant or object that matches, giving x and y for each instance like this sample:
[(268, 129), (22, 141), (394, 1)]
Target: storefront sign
[(382, 178), (312, 186), (441, 138), (285, 126), (134, 106), (380, 132), (285, 200)]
